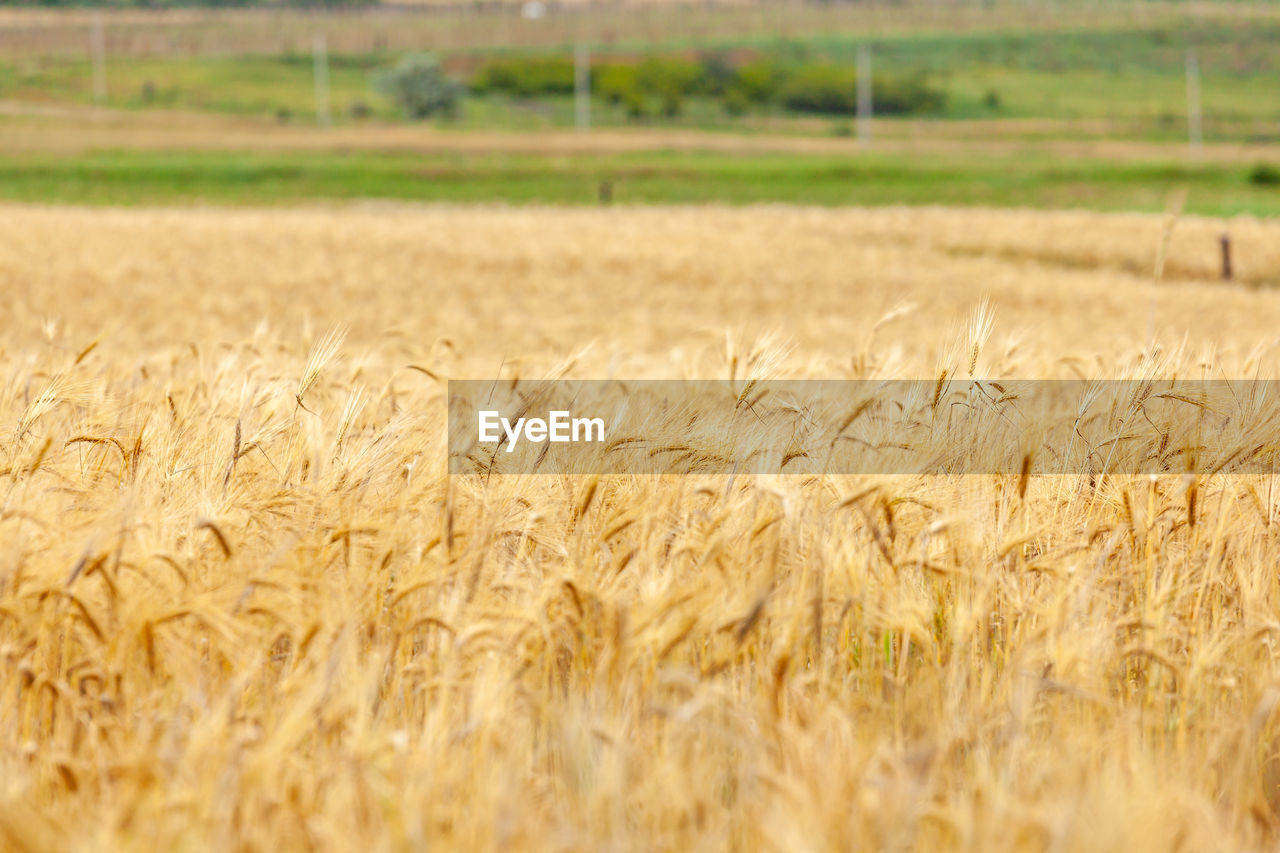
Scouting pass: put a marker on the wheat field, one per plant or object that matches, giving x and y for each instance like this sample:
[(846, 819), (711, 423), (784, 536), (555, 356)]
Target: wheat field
[(242, 605)]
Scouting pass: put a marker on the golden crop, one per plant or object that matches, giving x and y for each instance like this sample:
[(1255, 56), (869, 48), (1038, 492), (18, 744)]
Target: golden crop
[(241, 604)]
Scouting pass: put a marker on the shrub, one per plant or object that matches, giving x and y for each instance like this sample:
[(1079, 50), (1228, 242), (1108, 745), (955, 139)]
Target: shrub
[(718, 75), (828, 89), (833, 90), (668, 78), (420, 87), (759, 81), (1264, 175), (497, 76), (635, 103), (906, 95), (736, 102), (615, 83), (662, 83), (525, 77)]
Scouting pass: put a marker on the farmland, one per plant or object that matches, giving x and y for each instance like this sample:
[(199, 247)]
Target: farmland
[(1082, 106), (955, 177), (243, 603)]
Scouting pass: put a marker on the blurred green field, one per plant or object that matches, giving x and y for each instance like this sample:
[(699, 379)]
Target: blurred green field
[(123, 177), (1025, 90), (1131, 78)]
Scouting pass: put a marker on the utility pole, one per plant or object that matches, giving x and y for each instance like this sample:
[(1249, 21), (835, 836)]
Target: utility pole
[(582, 87), (320, 53)]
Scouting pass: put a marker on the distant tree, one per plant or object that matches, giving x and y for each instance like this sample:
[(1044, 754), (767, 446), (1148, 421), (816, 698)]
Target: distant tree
[(419, 85)]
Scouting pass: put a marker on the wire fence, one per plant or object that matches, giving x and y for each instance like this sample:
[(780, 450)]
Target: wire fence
[(1208, 44), (526, 25)]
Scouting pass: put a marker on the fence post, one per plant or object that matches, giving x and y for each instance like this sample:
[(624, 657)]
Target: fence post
[(320, 53), (1225, 241), (582, 87), (864, 94)]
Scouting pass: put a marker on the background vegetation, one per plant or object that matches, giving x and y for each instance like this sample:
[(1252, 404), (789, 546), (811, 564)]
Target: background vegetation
[(1086, 106)]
